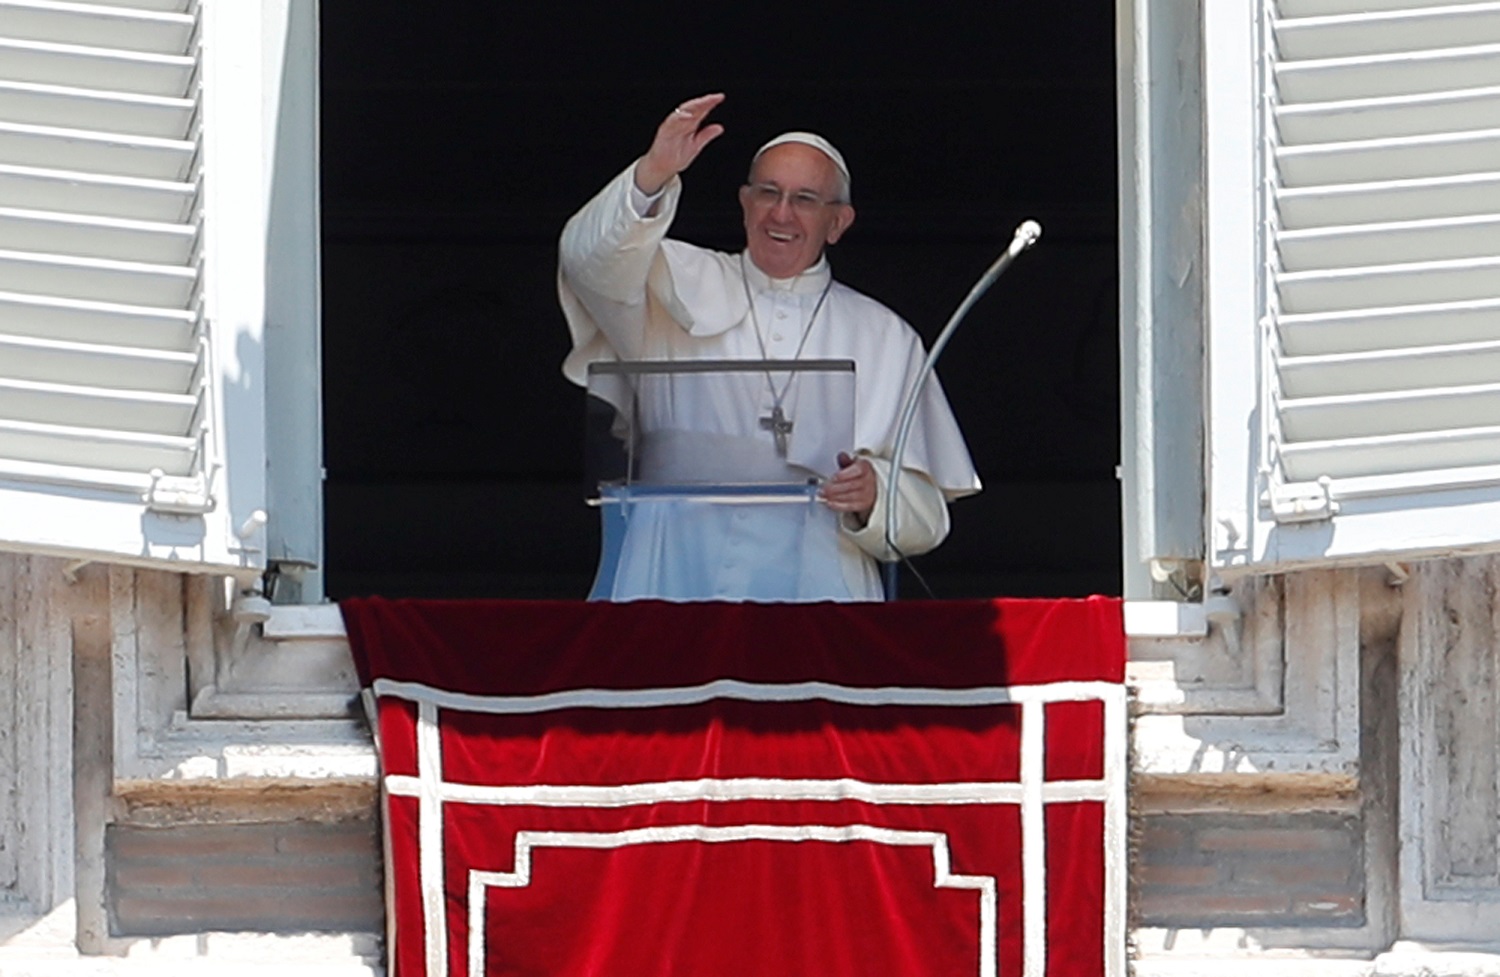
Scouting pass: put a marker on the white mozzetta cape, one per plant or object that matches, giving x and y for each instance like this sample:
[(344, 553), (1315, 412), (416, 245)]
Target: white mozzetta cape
[(630, 293)]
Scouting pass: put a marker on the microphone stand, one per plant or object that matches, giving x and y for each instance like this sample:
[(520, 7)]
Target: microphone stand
[(1026, 235)]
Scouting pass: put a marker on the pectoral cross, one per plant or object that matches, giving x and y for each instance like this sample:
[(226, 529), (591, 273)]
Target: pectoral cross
[(779, 427)]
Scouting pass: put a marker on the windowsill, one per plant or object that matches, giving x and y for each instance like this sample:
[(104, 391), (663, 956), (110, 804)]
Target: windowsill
[(1143, 619)]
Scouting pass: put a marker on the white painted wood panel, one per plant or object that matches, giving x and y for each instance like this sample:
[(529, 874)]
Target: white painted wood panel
[(1374, 204), (157, 211), (103, 363)]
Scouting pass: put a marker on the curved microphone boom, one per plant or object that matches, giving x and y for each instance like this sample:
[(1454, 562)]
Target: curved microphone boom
[(1026, 235)]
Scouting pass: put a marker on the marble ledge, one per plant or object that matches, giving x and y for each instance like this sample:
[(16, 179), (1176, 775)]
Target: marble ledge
[(1143, 619)]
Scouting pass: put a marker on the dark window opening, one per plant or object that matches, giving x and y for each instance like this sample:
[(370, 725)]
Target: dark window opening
[(456, 140)]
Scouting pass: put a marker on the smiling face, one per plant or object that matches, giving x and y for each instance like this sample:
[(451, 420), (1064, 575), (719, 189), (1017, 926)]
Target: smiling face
[(784, 238)]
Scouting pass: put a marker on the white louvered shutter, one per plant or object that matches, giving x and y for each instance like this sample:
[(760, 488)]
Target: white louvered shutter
[(133, 174), (1364, 422)]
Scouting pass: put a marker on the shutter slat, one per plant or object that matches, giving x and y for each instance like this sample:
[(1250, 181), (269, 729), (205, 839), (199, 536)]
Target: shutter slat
[(1369, 33), (1323, 8), (98, 152), (92, 67), (94, 365), (71, 320), (1396, 454), (168, 6), (1470, 236), (1389, 285), (1352, 120), (1399, 369), (96, 279), (1391, 200), (85, 237), (96, 194), (104, 25), (1402, 158), (1403, 73), (73, 406), (1390, 412), (1355, 330), (95, 111), (57, 444)]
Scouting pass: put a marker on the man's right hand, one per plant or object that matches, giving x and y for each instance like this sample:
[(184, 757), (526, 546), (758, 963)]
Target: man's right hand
[(678, 142)]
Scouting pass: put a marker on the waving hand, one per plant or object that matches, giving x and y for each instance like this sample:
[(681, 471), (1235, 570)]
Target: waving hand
[(679, 139)]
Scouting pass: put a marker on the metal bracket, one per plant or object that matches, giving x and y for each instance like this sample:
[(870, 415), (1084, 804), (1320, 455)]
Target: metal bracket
[(1302, 501), (177, 495)]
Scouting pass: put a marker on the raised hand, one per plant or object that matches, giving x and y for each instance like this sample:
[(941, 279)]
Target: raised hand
[(679, 139)]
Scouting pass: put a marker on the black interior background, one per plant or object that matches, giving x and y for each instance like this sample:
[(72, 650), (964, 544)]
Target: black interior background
[(457, 138)]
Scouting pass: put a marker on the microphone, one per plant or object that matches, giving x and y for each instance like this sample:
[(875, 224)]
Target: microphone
[(1027, 234)]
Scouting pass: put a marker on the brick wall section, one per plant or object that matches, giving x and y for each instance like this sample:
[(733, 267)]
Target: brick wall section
[(1204, 870), (287, 877)]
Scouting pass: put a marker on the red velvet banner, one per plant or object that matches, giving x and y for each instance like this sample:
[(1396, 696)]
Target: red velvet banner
[(920, 789)]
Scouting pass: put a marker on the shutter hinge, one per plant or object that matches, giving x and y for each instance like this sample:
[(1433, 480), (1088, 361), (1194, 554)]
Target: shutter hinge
[(1301, 501), (177, 495)]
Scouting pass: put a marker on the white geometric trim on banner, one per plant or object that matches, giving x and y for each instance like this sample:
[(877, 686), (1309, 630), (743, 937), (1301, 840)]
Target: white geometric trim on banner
[(745, 789), (729, 688), (943, 875), (1032, 792)]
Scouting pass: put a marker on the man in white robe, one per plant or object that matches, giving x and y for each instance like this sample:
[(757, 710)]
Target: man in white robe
[(630, 293)]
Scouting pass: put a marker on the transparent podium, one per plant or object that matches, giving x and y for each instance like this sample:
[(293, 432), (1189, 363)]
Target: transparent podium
[(706, 476)]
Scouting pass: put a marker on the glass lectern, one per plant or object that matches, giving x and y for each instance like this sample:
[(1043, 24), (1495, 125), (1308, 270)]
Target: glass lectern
[(706, 475)]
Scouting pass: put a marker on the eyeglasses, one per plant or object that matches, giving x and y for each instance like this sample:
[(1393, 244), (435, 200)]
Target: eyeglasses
[(768, 195)]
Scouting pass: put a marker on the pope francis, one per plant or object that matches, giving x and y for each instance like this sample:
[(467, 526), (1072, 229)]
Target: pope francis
[(631, 293)]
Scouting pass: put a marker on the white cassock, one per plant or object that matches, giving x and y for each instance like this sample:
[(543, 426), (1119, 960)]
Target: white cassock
[(629, 293)]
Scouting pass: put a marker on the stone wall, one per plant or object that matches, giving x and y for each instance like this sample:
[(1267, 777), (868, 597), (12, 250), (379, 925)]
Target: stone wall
[(1313, 776), (177, 793)]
